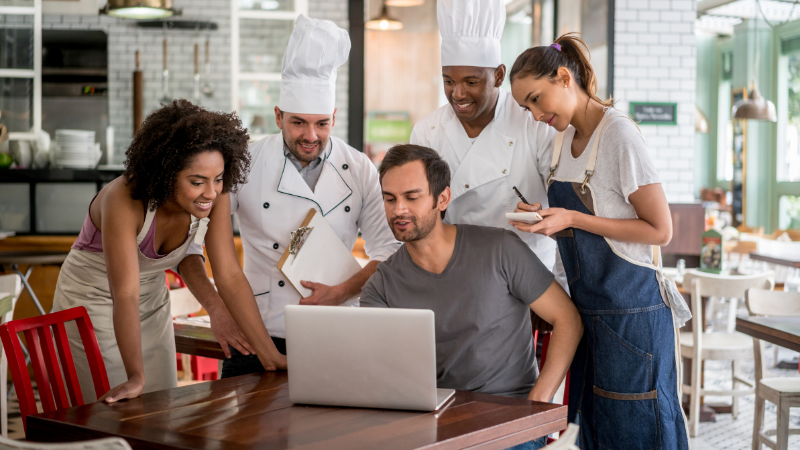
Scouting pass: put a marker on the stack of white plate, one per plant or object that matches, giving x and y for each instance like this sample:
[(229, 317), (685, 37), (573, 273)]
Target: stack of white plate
[(76, 149)]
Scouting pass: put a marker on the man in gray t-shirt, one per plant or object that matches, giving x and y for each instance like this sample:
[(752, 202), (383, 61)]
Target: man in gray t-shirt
[(479, 281)]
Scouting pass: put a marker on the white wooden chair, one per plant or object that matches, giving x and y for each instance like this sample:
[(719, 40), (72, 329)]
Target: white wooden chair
[(784, 393), (11, 284), (567, 439), (99, 444), (699, 346)]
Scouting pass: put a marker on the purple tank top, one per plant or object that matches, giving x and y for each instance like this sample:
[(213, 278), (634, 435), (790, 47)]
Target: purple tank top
[(91, 240)]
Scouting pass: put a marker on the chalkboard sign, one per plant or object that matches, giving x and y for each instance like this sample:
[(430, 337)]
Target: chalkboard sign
[(655, 113)]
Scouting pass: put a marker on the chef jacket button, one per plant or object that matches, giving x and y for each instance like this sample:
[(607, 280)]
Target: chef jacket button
[(275, 246), (346, 209), (466, 186), (345, 166), (505, 170), (510, 144), (266, 205), (433, 126), (281, 283)]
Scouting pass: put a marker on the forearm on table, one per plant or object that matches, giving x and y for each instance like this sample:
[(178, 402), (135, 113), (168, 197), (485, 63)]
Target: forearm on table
[(564, 340), (238, 297), (637, 231), (193, 272), (128, 332), (352, 287)]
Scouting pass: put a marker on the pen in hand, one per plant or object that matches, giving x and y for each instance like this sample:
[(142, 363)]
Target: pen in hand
[(520, 195)]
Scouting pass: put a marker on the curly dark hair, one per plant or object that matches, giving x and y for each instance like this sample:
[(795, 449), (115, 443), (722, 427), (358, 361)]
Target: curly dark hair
[(171, 137)]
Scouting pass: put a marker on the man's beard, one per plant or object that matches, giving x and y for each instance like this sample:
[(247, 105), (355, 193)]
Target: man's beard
[(303, 156), (417, 230)]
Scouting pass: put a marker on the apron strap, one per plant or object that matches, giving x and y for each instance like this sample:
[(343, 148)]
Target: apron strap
[(148, 221), (556, 156), (656, 253)]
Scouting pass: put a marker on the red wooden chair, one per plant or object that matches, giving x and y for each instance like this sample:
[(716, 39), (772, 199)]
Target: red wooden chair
[(40, 333)]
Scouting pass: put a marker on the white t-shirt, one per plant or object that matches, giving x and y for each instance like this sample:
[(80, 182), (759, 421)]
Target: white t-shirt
[(623, 165)]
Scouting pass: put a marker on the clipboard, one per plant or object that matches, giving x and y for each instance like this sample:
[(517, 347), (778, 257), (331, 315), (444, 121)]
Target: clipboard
[(317, 254)]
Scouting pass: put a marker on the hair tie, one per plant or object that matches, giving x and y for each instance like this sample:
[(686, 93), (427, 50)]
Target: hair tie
[(556, 46)]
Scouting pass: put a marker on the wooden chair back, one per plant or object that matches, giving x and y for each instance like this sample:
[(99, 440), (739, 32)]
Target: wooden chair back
[(726, 286), (40, 333), (761, 302), (11, 284)]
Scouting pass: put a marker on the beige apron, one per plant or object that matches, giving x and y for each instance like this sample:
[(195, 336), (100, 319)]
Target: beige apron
[(83, 281)]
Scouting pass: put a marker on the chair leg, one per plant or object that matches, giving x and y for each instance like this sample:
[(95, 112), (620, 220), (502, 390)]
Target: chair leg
[(782, 438), (774, 355), (694, 398), (735, 398), (734, 303), (758, 421)]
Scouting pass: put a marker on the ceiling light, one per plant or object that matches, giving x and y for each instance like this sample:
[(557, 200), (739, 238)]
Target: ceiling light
[(404, 2), (139, 9), (755, 108), (700, 121), (384, 22)]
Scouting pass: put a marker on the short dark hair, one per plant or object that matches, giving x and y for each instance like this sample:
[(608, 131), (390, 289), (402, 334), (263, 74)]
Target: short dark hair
[(171, 137), (436, 169)]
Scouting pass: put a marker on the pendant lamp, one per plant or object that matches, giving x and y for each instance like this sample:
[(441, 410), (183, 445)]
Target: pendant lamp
[(700, 121), (754, 108), (384, 22), (139, 9)]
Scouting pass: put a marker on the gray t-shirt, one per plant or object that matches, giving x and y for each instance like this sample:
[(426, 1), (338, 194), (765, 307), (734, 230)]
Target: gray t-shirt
[(481, 307)]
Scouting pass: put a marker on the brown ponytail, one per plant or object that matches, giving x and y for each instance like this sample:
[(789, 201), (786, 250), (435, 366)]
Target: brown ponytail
[(544, 62)]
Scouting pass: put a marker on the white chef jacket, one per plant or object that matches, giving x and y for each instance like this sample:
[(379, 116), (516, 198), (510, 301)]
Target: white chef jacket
[(276, 199), (513, 150)]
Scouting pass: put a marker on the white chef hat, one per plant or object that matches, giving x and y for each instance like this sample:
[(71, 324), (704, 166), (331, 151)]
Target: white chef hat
[(308, 73), (471, 31)]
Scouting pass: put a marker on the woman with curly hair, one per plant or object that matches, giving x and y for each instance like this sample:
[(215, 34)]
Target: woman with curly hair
[(179, 171)]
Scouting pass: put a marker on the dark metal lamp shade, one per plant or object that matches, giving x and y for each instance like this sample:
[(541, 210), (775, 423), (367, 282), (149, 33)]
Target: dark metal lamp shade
[(755, 108)]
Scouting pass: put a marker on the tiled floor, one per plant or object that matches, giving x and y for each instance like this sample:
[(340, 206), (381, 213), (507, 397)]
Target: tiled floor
[(729, 434)]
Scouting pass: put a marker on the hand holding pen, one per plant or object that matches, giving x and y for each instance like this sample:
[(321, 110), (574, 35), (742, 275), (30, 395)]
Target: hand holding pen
[(524, 206)]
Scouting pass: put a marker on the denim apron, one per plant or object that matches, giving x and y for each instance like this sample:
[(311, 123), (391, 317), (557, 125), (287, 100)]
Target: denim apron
[(624, 377)]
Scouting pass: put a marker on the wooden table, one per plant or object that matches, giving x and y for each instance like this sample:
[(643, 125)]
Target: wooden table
[(782, 331), (254, 411), (790, 260), (197, 340)]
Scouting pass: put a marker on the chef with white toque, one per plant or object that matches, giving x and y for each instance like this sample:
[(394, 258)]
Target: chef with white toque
[(300, 168), (491, 143)]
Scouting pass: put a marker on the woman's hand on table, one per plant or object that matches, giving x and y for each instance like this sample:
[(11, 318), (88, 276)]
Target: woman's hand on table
[(227, 333), (129, 389), (273, 362)]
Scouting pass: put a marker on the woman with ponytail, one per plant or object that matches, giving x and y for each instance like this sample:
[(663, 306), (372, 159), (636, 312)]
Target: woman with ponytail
[(609, 215)]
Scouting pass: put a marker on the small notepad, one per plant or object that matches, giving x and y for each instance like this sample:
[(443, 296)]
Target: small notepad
[(526, 217)]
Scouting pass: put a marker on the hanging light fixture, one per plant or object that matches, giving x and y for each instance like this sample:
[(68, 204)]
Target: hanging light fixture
[(700, 121), (755, 108), (139, 9), (404, 2), (384, 22)]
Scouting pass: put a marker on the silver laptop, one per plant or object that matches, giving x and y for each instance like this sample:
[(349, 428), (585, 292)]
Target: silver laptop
[(363, 357)]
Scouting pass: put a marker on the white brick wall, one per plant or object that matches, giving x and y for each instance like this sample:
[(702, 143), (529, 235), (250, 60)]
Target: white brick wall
[(124, 37), (654, 61)]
